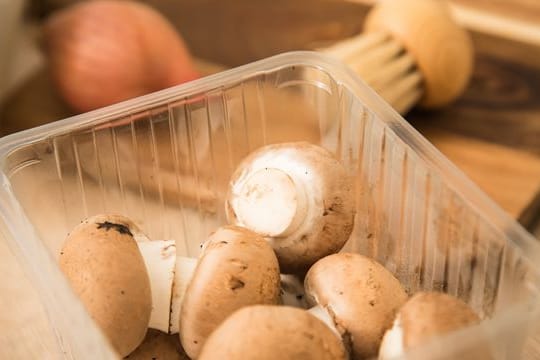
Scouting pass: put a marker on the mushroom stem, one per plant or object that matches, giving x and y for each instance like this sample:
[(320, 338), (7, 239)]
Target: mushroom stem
[(392, 342), (271, 202), (184, 270), (322, 314), (169, 275)]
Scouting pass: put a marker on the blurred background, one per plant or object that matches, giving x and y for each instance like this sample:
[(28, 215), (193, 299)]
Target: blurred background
[(492, 132)]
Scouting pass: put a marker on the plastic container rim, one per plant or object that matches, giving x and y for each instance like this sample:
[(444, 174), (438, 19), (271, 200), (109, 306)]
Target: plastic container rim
[(529, 247)]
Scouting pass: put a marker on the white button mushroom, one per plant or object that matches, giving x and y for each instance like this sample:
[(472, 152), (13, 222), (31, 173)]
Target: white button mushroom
[(272, 332), (101, 260), (424, 316), (357, 297), (297, 195), (238, 268)]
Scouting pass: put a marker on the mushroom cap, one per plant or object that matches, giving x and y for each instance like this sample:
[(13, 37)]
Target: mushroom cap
[(275, 332), (429, 314), (442, 50), (324, 193), (359, 294), (237, 268), (102, 262)]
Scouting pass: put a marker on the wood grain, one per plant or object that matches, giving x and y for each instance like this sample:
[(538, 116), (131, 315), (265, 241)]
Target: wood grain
[(502, 102), (25, 332), (470, 154), (527, 10), (501, 107), (246, 31)]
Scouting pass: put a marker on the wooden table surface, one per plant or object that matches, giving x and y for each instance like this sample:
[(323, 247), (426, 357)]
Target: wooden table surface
[(492, 133)]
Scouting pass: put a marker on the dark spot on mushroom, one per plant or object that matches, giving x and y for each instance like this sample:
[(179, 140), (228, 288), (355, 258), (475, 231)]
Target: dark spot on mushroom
[(239, 263), (195, 342), (165, 253), (372, 302), (122, 292), (61, 253), (121, 229), (224, 242), (299, 296), (369, 236), (325, 213), (154, 358), (473, 263), (235, 283)]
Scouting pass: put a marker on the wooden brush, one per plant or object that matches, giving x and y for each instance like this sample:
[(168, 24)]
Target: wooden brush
[(411, 52)]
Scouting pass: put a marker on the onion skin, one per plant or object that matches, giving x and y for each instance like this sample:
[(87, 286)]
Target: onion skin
[(102, 52)]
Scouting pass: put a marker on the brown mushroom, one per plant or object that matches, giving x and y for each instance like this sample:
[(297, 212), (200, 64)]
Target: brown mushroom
[(297, 195), (168, 273), (275, 332), (356, 296), (425, 316), (236, 269), (102, 262)]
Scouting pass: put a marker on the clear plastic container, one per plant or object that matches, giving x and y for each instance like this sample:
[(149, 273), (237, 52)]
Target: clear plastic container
[(164, 160)]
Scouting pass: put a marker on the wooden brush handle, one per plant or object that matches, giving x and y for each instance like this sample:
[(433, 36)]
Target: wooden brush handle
[(411, 52)]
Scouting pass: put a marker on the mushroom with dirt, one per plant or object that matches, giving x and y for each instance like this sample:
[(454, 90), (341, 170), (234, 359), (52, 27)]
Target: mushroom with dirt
[(426, 315), (129, 283), (356, 297), (103, 264), (275, 332), (299, 196)]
